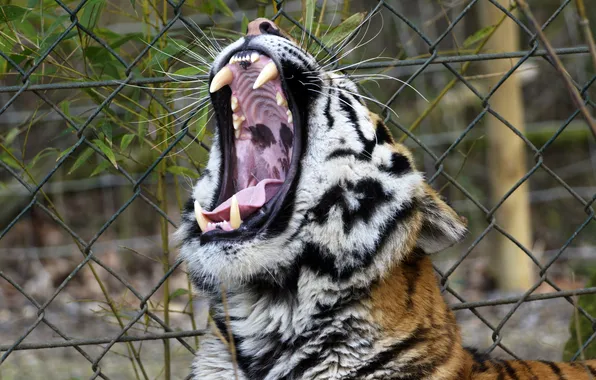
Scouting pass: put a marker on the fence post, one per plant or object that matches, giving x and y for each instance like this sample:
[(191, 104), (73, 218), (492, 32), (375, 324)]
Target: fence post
[(506, 159)]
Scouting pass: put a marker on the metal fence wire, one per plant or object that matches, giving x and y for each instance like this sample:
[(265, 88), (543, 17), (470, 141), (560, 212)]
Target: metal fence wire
[(131, 330)]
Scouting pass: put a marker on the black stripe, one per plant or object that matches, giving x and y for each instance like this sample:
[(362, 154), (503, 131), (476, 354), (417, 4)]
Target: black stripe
[(321, 261), (399, 165), (342, 153), (299, 56), (383, 135), (528, 368), (591, 369), (302, 366), (412, 273), (188, 217), (499, 368), (328, 115), (371, 196), (383, 358), (347, 106), (555, 368), (510, 370)]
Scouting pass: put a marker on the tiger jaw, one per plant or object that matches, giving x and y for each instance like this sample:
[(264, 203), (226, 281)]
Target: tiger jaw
[(258, 141)]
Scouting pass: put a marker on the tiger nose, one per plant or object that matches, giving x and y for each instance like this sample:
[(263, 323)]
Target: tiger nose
[(261, 26)]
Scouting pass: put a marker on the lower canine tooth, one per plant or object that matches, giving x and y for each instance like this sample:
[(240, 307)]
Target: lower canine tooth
[(234, 103), (201, 219), (235, 220), (268, 73), (290, 118)]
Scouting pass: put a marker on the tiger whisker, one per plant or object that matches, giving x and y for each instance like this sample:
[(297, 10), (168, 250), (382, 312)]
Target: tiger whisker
[(339, 55), (162, 89), (383, 76), (339, 99), (191, 79), (359, 45), (215, 47), (175, 58), (344, 42), (183, 118), (327, 31), (184, 129), (195, 138), (191, 53), (168, 114), (380, 104)]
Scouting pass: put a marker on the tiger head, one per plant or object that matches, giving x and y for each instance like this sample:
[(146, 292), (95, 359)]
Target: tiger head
[(301, 177)]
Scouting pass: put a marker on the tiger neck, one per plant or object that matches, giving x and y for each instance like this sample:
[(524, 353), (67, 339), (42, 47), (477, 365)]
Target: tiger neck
[(402, 311)]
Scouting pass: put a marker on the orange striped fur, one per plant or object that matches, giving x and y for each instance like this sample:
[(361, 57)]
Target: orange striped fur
[(409, 303)]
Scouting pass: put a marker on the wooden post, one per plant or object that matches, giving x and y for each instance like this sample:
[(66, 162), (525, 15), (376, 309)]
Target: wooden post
[(511, 267)]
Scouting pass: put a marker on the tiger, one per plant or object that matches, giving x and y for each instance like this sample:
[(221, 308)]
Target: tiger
[(310, 232)]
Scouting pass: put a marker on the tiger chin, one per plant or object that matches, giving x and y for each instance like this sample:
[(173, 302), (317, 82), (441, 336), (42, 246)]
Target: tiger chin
[(310, 232)]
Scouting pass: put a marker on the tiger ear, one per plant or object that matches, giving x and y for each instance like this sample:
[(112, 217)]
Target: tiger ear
[(441, 226)]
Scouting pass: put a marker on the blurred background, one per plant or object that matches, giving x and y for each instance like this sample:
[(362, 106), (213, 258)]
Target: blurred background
[(105, 125)]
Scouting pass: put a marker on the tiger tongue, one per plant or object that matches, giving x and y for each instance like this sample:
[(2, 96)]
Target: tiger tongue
[(249, 200)]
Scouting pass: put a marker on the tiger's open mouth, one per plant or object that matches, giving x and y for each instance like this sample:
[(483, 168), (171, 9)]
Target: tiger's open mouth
[(259, 144)]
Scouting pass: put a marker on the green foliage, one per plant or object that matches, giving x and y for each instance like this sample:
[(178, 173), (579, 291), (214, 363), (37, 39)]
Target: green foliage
[(588, 302)]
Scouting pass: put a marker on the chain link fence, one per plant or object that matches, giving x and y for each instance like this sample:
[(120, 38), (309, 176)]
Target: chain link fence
[(133, 312)]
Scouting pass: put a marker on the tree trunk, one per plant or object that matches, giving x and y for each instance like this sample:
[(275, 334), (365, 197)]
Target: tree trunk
[(512, 268)]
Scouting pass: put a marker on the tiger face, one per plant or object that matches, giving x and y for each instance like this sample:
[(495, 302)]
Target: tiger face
[(302, 182)]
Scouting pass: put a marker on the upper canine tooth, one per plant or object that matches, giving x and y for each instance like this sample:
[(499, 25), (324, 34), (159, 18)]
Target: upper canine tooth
[(281, 101), (224, 77), (268, 73), (254, 57), (201, 219), (235, 220), (234, 103)]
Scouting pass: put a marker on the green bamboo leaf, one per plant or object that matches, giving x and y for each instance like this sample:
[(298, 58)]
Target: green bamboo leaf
[(103, 166), (65, 107), (126, 140), (124, 39), (106, 128), (478, 36), (107, 151), (244, 25), (188, 72), (11, 13), (49, 41), (9, 161), (42, 154), (91, 12), (112, 70), (178, 292), (83, 157), (308, 14), (58, 23), (62, 154), (12, 134), (182, 171), (172, 49), (343, 30), (221, 6)]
